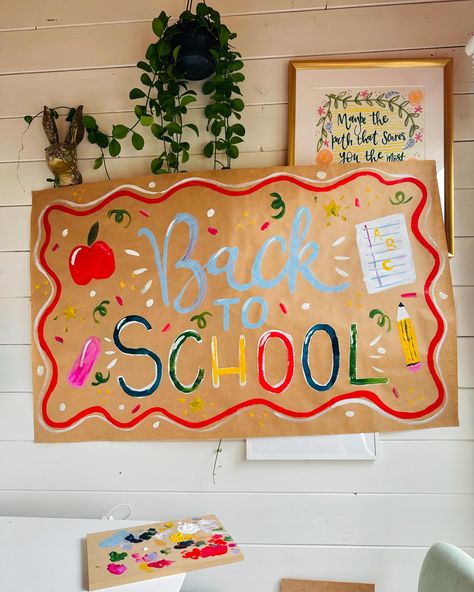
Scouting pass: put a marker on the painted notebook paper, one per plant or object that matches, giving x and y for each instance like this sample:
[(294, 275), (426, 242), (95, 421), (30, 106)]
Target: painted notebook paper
[(242, 303), (151, 551)]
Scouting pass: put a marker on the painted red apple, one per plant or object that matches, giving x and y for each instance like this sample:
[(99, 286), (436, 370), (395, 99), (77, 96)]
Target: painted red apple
[(92, 261)]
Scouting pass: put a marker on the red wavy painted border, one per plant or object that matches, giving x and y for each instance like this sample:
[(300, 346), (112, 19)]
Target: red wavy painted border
[(359, 394)]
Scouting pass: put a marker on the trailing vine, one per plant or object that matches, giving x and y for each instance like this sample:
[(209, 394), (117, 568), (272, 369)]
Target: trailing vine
[(383, 100), (164, 98)]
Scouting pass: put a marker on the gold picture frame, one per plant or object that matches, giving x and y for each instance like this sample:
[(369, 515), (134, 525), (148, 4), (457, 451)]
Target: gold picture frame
[(310, 80)]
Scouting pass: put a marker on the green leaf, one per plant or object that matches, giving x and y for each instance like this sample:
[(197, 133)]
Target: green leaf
[(136, 93), (174, 128), (119, 131), (208, 87), (176, 53), (98, 162), (92, 136), (156, 165), (237, 104), (216, 127), (157, 26), (238, 77), (114, 148), (187, 99), (70, 114), (194, 127), (137, 141), (140, 110), (209, 149), (156, 130), (185, 156), (93, 232), (89, 122), (102, 140), (237, 65), (232, 151), (28, 119), (144, 66), (236, 140), (146, 80), (201, 10), (146, 120)]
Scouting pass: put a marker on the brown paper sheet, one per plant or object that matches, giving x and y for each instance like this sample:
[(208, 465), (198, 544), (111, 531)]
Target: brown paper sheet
[(242, 303), (316, 586), (127, 555)]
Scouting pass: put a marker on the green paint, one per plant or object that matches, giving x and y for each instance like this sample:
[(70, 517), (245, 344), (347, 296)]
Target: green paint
[(201, 319), (119, 216), (114, 556), (166, 551), (353, 363), (93, 232), (173, 358), (100, 309), (376, 312), (100, 378), (278, 204), (400, 199)]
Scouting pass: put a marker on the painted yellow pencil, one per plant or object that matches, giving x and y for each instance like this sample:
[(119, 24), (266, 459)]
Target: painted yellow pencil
[(408, 339)]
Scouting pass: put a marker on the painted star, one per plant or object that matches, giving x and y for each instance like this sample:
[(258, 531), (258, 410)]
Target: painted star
[(332, 209), (70, 312)]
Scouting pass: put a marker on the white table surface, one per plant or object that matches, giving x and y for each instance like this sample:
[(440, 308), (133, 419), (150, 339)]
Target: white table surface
[(49, 555)]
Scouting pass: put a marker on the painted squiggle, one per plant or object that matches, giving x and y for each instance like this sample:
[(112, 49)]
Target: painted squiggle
[(83, 365)]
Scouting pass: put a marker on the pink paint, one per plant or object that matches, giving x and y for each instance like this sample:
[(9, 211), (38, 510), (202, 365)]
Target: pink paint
[(283, 308), (119, 300), (265, 225), (357, 202), (167, 327), (83, 365), (55, 247), (160, 564), (145, 213), (116, 568), (408, 295), (136, 408), (414, 367), (395, 392), (59, 339), (211, 230)]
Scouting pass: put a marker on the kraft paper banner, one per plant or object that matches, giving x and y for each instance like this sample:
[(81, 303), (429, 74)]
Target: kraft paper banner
[(319, 586), (242, 303)]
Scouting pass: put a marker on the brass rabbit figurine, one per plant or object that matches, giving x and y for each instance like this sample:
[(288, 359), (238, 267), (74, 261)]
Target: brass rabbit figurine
[(61, 158)]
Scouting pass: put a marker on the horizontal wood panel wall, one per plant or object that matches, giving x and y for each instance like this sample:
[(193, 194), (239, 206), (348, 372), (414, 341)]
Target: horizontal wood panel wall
[(363, 521)]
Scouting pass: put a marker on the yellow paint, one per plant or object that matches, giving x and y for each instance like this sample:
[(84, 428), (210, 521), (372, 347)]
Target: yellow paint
[(122, 284), (261, 424), (332, 209), (377, 234), (386, 264), (179, 537), (144, 567), (182, 400), (217, 372), (408, 340), (196, 404), (37, 286), (70, 312), (390, 244), (168, 524), (251, 414), (245, 214), (132, 287)]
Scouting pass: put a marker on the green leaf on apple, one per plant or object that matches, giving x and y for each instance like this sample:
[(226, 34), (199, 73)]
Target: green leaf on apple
[(93, 232)]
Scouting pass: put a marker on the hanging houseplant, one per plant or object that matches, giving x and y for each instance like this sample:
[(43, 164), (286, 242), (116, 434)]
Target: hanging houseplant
[(195, 47)]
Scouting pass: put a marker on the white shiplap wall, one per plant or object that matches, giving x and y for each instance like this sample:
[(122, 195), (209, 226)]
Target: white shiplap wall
[(322, 520)]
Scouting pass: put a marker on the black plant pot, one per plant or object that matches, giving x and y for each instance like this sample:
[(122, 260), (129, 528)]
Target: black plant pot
[(195, 60)]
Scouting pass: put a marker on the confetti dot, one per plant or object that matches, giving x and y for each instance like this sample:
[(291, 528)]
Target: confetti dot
[(146, 287), (149, 302), (350, 414), (212, 231), (265, 225), (151, 184), (59, 339), (145, 213), (210, 213), (119, 300), (167, 327), (381, 350), (62, 407), (55, 247), (136, 408), (305, 306), (132, 252), (121, 407), (92, 293), (443, 296), (357, 202), (40, 370), (156, 424), (283, 308), (112, 364), (140, 271), (65, 232), (321, 175)]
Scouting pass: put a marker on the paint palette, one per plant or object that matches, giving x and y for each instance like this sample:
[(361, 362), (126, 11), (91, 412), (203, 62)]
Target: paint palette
[(124, 556)]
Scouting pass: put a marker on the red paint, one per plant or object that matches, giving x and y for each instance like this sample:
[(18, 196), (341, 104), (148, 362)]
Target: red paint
[(167, 327), (212, 231), (395, 392), (55, 248), (290, 370), (357, 202), (360, 394), (95, 262), (283, 308), (136, 408), (119, 300), (408, 295), (59, 339), (145, 213), (160, 564), (265, 225)]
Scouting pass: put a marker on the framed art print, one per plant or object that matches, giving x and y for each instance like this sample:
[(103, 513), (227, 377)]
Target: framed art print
[(372, 111)]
